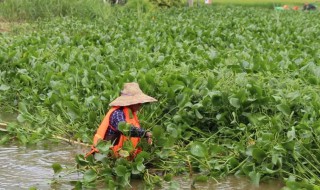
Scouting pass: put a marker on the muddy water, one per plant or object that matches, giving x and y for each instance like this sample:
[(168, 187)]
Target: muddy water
[(23, 167)]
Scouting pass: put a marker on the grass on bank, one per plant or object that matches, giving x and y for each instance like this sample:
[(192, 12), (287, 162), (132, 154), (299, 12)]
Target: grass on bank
[(20, 10)]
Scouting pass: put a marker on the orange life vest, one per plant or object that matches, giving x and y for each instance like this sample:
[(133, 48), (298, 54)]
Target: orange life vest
[(104, 126)]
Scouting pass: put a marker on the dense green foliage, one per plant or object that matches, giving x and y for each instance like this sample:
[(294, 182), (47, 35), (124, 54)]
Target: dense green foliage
[(238, 90)]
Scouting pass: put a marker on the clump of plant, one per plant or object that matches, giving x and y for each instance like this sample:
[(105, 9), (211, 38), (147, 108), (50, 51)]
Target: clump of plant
[(139, 7), (169, 3)]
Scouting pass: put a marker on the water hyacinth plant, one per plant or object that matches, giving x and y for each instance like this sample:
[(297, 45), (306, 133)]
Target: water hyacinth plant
[(238, 94)]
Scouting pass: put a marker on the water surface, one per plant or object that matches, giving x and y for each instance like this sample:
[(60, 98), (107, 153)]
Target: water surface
[(23, 167)]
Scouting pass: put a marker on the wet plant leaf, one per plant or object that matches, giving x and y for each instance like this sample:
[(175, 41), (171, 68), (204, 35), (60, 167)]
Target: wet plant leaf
[(258, 154), (124, 153), (89, 176), (200, 178), (120, 170), (284, 108), (4, 87), (104, 146), (4, 139), (81, 160), (157, 132), (255, 177), (235, 102), (198, 149), (56, 168), (168, 177)]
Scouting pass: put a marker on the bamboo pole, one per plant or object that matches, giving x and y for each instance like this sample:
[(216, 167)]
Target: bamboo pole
[(3, 127), (70, 141)]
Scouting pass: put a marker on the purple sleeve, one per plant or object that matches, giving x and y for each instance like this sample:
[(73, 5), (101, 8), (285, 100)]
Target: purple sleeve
[(118, 116)]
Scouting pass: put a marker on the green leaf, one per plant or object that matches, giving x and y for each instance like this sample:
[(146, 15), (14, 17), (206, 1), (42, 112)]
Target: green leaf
[(104, 146), (276, 158), (4, 87), (284, 108), (235, 102), (198, 114), (289, 145), (99, 156), (157, 131), (124, 153), (4, 139), (198, 149), (201, 178), (291, 134), (124, 128), (22, 107), (168, 177), (22, 138), (233, 162), (81, 160), (216, 149), (140, 167), (142, 156), (56, 168), (92, 116), (89, 176), (121, 170), (255, 177), (258, 154)]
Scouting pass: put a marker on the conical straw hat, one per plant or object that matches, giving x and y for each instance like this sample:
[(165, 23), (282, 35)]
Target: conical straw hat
[(130, 95)]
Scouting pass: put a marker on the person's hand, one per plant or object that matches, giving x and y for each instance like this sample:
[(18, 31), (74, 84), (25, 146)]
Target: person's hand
[(149, 137)]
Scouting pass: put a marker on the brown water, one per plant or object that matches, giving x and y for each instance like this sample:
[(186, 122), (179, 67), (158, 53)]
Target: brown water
[(24, 167)]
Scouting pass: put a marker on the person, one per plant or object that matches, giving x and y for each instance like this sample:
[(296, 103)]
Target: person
[(124, 109), (296, 8), (309, 7), (285, 7)]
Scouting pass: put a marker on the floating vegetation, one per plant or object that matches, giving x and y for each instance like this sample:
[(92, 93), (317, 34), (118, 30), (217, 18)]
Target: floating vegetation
[(238, 94)]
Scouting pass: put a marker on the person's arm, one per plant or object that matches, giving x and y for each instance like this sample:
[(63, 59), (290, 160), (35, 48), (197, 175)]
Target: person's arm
[(118, 116)]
